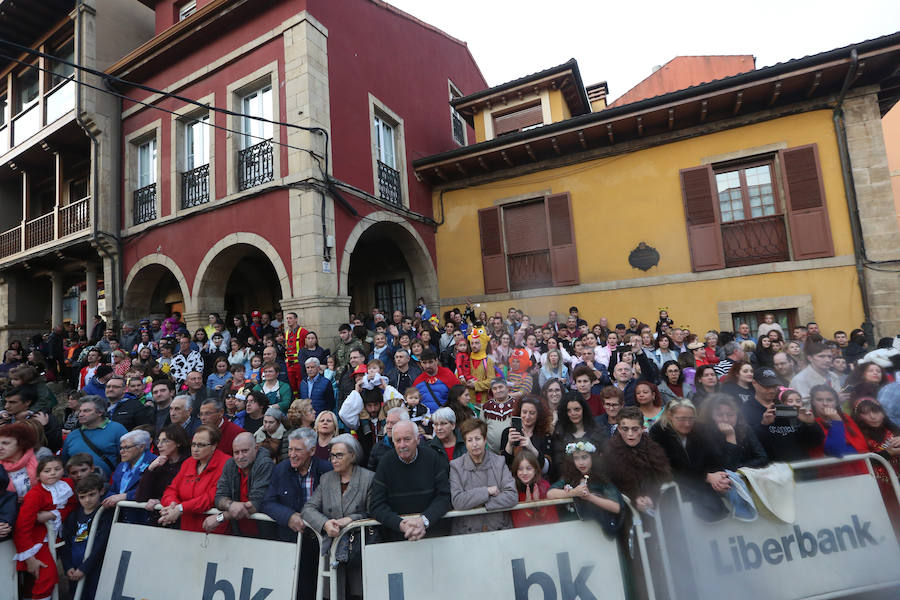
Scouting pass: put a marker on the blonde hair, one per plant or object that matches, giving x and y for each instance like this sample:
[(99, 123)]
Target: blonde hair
[(666, 419), (322, 414)]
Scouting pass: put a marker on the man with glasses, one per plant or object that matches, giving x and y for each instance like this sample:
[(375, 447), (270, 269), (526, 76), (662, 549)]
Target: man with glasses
[(242, 486), (292, 483), (212, 413), (129, 412), (96, 435)]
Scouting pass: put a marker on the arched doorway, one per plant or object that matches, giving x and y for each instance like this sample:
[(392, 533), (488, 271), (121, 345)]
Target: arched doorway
[(154, 290), (386, 264), (240, 278)]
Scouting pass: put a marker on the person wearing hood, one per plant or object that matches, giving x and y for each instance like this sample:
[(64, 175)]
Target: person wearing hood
[(519, 380)]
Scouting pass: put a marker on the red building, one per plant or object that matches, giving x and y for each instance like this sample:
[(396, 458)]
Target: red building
[(299, 194)]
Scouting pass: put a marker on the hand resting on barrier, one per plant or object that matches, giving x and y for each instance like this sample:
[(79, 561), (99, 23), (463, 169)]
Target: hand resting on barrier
[(413, 528)]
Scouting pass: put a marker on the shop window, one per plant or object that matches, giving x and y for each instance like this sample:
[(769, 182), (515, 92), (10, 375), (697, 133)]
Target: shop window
[(735, 215), (528, 245)]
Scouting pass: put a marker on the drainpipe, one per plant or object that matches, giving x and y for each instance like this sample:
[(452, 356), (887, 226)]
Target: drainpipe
[(111, 287), (859, 247)]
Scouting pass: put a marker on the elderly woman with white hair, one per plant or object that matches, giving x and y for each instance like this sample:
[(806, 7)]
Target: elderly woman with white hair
[(316, 386), (445, 440), (269, 436), (134, 450), (341, 498)]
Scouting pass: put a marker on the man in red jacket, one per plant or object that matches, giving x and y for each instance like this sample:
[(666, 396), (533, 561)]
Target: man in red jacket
[(212, 413)]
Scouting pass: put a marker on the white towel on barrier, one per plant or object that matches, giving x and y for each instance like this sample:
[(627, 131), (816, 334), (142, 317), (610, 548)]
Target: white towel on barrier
[(774, 487)]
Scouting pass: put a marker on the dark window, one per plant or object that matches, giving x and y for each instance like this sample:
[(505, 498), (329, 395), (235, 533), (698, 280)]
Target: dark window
[(60, 70), (528, 245), (735, 216), (391, 295)]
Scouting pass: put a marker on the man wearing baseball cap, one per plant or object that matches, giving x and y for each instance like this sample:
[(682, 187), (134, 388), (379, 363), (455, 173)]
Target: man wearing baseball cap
[(784, 438)]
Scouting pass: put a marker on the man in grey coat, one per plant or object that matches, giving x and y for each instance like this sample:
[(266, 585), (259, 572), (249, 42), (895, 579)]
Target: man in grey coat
[(241, 487)]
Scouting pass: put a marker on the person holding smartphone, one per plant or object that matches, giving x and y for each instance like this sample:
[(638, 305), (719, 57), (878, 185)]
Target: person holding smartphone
[(530, 430)]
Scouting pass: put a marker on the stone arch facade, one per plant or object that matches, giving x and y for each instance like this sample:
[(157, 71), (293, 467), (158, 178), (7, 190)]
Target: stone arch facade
[(142, 280), (216, 267), (410, 243)]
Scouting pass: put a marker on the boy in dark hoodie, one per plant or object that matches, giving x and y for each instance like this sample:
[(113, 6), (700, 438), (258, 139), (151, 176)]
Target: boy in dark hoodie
[(77, 563)]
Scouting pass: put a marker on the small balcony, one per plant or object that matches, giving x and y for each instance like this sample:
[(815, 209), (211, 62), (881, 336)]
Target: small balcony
[(255, 165), (195, 187), (144, 204), (47, 229), (389, 184), (755, 241)]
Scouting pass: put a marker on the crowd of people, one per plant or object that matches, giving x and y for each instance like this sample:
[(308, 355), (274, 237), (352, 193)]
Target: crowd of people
[(411, 415)]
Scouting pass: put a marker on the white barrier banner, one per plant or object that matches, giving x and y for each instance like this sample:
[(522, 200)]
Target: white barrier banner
[(8, 570), (842, 540), (565, 561), (148, 563)]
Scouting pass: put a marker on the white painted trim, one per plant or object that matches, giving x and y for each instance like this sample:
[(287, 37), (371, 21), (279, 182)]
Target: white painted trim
[(376, 105), (152, 130), (638, 282), (176, 153)]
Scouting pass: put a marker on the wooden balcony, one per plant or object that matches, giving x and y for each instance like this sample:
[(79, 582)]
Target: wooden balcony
[(46, 230)]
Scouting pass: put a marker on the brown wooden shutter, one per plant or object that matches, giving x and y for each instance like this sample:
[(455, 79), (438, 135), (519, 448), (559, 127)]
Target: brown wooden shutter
[(563, 257), (493, 258), (704, 232), (518, 119), (805, 203)]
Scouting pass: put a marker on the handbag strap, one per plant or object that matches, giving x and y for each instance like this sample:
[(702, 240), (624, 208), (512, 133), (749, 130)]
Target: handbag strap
[(97, 450)]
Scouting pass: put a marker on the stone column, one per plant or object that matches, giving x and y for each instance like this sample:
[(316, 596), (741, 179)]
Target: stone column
[(90, 291), (56, 301), (875, 201)]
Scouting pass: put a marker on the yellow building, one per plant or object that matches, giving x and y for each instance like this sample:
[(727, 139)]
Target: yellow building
[(766, 191)]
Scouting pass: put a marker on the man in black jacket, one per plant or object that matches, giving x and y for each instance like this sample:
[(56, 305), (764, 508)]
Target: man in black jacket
[(404, 372), (130, 412), (409, 482)]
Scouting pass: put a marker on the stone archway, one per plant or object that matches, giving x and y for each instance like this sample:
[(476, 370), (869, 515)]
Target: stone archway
[(242, 271), (154, 285), (385, 231)]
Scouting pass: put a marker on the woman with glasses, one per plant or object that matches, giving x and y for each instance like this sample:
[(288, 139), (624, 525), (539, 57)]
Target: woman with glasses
[(193, 490), (671, 386), (134, 450), (341, 498), (697, 466), (174, 446)]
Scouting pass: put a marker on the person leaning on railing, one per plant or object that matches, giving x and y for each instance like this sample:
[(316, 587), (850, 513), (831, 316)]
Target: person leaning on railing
[(341, 498)]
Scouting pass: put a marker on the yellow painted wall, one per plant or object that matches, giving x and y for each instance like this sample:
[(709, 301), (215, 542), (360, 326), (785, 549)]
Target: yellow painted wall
[(480, 133), (620, 201), (559, 109)]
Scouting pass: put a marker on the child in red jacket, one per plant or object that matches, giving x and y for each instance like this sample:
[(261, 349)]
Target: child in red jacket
[(50, 499)]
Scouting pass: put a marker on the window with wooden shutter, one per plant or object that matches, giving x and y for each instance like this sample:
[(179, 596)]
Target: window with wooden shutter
[(563, 257), (704, 233), (518, 119), (493, 257), (807, 211), (527, 248)]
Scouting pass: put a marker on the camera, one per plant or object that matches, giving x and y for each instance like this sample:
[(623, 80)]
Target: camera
[(783, 410)]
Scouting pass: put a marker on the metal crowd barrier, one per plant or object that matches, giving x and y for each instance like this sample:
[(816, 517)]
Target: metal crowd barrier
[(212, 511)]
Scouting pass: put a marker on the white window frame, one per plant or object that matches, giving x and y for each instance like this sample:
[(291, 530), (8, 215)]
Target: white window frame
[(454, 115), (197, 135), (265, 76), (385, 141), (178, 150), (379, 112), (147, 163), (133, 142), (187, 9), (257, 103)]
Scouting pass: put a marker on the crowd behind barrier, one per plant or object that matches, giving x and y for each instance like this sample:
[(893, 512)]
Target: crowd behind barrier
[(495, 418)]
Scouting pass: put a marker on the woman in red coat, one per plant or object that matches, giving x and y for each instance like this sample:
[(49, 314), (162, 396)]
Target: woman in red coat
[(193, 490), (51, 501)]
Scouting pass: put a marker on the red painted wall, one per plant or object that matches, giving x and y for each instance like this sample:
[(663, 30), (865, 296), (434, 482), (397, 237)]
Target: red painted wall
[(371, 49)]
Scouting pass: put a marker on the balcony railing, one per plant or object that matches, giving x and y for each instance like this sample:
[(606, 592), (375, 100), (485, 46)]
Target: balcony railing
[(11, 241), (389, 184), (145, 204), (755, 241), (195, 187), (75, 217), (255, 165), (39, 231)]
